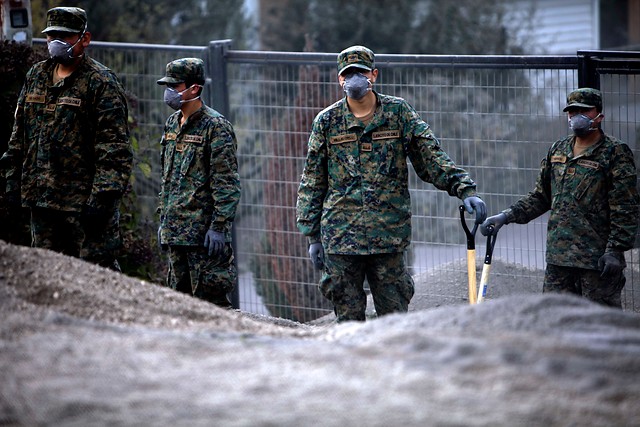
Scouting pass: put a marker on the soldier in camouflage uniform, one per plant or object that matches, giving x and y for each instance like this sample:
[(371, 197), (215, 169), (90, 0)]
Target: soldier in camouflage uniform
[(200, 188), (69, 157), (588, 182), (353, 199)]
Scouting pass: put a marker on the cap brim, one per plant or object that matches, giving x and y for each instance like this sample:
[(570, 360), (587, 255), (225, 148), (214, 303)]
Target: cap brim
[(362, 67), (577, 105), (169, 80), (61, 30)]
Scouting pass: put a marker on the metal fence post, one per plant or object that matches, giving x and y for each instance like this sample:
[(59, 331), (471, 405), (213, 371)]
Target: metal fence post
[(587, 74), (218, 94), (218, 98)]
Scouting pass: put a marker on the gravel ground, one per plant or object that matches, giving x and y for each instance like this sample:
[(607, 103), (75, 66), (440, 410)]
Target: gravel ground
[(85, 346)]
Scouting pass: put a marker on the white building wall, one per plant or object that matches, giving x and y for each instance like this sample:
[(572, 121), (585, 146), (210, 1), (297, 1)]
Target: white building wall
[(557, 26)]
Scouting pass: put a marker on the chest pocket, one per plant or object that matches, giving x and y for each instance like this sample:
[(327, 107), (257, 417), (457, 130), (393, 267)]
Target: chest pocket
[(191, 148), (343, 156), (390, 150), (591, 188), (169, 147)]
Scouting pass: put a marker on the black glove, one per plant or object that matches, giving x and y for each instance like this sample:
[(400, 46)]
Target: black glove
[(99, 208), (611, 264), (316, 253), (214, 242), (476, 204), (12, 199), (496, 221)]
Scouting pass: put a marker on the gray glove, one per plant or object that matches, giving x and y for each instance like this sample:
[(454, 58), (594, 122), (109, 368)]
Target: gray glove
[(611, 264), (476, 204), (214, 242), (160, 245), (316, 253), (496, 221)]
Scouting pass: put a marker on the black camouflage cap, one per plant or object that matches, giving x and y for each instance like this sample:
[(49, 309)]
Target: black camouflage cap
[(66, 19), (181, 70), (356, 57), (585, 97)]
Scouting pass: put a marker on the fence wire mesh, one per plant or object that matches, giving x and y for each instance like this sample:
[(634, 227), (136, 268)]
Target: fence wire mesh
[(495, 116)]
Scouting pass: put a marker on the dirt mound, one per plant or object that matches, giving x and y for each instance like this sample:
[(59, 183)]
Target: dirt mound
[(81, 345), (37, 282)]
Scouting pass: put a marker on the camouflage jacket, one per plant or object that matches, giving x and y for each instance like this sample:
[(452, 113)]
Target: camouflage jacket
[(593, 201), (354, 191), (200, 182), (70, 140)]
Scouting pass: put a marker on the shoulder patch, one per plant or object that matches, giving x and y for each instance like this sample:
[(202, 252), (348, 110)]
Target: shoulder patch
[(559, 159)]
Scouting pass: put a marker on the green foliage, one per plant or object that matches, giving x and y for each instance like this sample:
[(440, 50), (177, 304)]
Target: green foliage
[(402, 26), (192, 22), (139, 257), (15, 61)]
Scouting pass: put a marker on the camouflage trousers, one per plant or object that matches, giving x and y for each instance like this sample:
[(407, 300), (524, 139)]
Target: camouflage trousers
[(390, 283), (587, 283), (193, 271), (97, 240)]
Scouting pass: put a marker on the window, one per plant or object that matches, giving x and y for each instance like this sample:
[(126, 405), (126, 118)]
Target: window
[(19, 18)]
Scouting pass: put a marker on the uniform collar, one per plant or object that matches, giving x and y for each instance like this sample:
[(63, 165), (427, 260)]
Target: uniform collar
[(352, 122)]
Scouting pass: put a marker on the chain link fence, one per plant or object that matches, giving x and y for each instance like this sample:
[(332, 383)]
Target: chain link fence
[(496, 116)]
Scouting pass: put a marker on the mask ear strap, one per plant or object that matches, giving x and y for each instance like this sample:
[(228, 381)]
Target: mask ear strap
[(84, 31)]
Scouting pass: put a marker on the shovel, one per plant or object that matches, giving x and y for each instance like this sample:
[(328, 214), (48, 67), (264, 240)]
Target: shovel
[(471, 256), (486, 268)]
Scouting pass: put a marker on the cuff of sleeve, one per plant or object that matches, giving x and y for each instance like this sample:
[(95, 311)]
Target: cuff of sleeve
[(468, 192), (12, 186), (314, 239), (510, 215), (618, 254), (103, 200), (220, 228)]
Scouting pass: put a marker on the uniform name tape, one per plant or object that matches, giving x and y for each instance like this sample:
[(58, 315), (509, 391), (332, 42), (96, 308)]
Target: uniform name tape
[(66, 100), (386, 134), (589, 164), (38, 99), (349, 137), (193, 138)]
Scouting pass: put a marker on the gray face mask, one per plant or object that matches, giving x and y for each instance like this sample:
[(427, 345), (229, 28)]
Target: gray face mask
[(61, 51), (173, 98), (356, 85), (581, 124)]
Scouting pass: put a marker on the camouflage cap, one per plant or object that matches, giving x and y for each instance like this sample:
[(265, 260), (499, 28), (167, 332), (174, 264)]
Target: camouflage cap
[(182, 70), (356, 57), (585, 97), (66, 19)]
